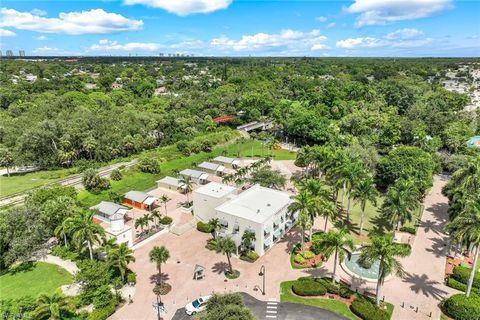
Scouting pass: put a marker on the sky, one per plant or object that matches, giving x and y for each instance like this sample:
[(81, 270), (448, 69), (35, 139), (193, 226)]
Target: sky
[(402, 28)]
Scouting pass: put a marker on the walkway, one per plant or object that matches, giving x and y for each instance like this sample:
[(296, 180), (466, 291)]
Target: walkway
[(422, 287), (68, 265)]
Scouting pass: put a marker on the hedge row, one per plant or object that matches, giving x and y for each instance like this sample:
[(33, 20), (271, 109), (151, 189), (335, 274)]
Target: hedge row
[(461, 274), (336, 288), (308, 287), (366, 309), (204, 227), (460, 307), (452, 283)]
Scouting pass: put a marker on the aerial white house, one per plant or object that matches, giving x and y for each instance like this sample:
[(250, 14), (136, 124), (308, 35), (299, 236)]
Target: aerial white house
[(257, 209), (226, 161), (111, 217), (214, 168), (198, 177), (170, 183)]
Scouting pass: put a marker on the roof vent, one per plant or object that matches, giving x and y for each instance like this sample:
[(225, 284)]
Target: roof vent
[(258, 210), (268, 204)]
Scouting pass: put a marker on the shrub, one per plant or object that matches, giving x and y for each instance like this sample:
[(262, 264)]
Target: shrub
[(116, 175), (306, 254), (345, 292), (460, 307), (204, 227), (411, 230), (103, 313), (92, 181), (316, 247), (331, 287), (65, 253), (308, 287), (461, 274), (165, 220), (149, 165), (299, 259), (132, 278), (211, 244), (367, 310), (250, 256), (103, 296), (452, 283)]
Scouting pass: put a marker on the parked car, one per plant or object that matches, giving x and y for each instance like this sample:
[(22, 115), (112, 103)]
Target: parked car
[(197, 305)]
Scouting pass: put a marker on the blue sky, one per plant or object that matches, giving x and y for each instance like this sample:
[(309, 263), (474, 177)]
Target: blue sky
[(242, 27)]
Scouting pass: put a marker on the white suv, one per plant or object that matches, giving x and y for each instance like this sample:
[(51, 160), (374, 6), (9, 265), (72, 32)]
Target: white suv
[(196, 305)]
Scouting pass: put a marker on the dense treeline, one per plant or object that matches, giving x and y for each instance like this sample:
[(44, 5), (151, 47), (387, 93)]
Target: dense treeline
[(56, 120)]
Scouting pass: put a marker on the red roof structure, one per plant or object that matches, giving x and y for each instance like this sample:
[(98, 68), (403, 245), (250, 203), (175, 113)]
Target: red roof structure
[(224, 119)]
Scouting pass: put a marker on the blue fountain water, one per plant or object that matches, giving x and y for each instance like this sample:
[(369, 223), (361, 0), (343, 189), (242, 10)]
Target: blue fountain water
[(356, 268)]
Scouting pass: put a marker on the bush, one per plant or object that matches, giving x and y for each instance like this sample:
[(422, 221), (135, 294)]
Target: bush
[(452, 283), (316, 247), (132, 278), (299, 259), (232, 275), (103, 296), (116, 175), (211, 244), (461, 274), (149, 165), (367, 310), (65, 253), (165, 220), (204, 227), (460, 307), (103, 313), (308, 287), (411, 230), (92, 181), (250, 256), (345, 292), (307, 254)]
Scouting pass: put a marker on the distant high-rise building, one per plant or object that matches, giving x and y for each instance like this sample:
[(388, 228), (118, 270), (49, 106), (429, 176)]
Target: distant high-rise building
[(161, 54), (21, 53), (0, 53), (9, 53)]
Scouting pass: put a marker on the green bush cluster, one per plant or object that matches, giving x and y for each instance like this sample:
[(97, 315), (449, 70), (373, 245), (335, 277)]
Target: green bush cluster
[(65, 253), (165, 220), (336, 288), (116, 175), (103, 313), (189, 147), (204, 227), (211, 244), (452, 283), (460, 307), (132, 278), (307, 286), (462, 273), (250, 256), (408, 229), (366, 309), (149, 165)]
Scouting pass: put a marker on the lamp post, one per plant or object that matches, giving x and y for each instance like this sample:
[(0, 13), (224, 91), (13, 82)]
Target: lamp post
[(262, 274)]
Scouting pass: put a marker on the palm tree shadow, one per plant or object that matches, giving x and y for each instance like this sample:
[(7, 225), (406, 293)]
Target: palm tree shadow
[(317, 272), (380, 225), (154, 278), (292, 238), (438, 248), (220, 267), (440, 211), (427, 287), (342, 223), (431, 225)]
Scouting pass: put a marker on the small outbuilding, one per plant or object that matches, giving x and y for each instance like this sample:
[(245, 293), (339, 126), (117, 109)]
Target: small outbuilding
[(170, 183), (198, 177), (226, 161), (215, 168), (139, 200)]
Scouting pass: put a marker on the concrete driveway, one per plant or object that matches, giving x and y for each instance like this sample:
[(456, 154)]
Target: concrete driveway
[(276, 310)]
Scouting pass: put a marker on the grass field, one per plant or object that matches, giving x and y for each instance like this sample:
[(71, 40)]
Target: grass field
[(335, 306), (32, 279)]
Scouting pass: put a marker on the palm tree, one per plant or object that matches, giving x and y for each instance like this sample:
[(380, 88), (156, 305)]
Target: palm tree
[(215, 224), (140, 222), (400, 202), (63, 230), (186, 184), (109, 245), (384, 250), (120, 258), (248, 238), (148, 218), (304, 222), (466, 228), (321, 193), (304, 203), (165, 199), (159, 255), (337, 242), (156, 216), (227, 247), (351, 174), (84, 230), (364, 191), (51, 307)]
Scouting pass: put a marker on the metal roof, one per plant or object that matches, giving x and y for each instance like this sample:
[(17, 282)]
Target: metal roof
[(170, 181), (225, 159), (108, 208), (211, 166), (194, 174), (137, 196)]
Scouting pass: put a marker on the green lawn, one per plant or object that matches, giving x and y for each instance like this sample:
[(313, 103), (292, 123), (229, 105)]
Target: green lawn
[(335, 306), (23, 182), (39, 277)]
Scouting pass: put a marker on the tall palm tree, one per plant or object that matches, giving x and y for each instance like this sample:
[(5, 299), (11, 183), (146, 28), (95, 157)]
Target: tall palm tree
[(304, 222), (120, 258), (227, 247), (337, 242), (85, 231), (351, 174), (466, 228), (400, 202), (140, 223), (63, 230), (386, 251), (248, 238), (165, 199), (51, 307), (215, 224), (187, 185), (304, 203), (364, 191), (159, 255), (109, 245), (156, 216)]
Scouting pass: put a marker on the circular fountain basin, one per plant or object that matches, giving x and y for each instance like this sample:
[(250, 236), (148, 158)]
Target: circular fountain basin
[(354, 269)]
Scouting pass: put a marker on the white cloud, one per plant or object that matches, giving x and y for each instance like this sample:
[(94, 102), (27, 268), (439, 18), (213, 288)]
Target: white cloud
[(292, 40), (108, 45), (46, 50), (94, 21), (319, 46), (7, 33), (38, 12), (41, 38), (403, 38), (331, 25), (184, 7), (379, 12), (321, 19)]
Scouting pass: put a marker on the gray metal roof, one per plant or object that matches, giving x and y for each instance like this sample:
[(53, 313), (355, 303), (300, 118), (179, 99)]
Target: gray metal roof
[(170, 181), (137, 196), (108, 208), (224, 159), (211, 166), (193, 173)]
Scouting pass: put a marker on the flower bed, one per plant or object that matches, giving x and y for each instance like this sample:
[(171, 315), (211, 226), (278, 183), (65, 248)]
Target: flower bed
[(305, 258)]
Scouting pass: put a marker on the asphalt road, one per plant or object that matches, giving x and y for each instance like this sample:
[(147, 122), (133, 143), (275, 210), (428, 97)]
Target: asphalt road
[(276, 311)]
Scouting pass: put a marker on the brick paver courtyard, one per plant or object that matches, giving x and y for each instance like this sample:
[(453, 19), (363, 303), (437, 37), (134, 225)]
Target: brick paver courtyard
[(422, 287)]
